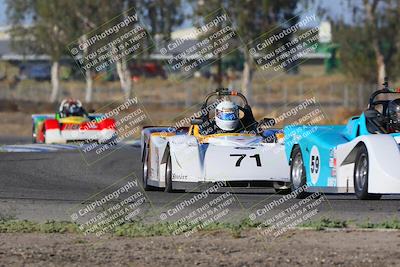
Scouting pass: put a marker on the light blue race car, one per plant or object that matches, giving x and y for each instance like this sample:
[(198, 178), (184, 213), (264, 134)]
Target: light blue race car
[(361, 157)]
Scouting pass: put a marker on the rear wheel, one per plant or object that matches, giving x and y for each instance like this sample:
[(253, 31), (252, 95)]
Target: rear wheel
[(168, 176), (145, 173), (361, 170), (298, 173)]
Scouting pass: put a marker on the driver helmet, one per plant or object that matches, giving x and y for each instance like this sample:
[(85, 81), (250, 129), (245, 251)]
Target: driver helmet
[(394, 113), (227, 115), (71, 107)]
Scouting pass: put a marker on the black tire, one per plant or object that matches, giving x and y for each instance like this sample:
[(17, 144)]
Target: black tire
[(145, 172), (361, 171), (282, 188), (168, 176), (33, 134), (298, 173)]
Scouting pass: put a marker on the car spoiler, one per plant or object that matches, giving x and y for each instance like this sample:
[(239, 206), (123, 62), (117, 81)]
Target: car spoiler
[(43, 116), (177, 129), (36, 117)]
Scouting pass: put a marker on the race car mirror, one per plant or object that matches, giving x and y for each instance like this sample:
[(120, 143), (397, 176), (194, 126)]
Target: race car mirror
[(197, 121), (267, 122), (385, 90)]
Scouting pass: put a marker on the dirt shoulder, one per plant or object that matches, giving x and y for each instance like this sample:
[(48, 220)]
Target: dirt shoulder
[(15, 124), (218, 248)]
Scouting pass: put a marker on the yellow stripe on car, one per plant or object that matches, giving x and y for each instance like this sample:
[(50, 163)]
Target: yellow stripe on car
[(73, 120)]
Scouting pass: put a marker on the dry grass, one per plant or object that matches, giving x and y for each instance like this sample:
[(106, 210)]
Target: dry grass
[(267, 87), (167, 100), (15, 124)]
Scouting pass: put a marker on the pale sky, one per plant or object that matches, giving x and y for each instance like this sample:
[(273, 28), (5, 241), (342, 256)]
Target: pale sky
[(334, 7)]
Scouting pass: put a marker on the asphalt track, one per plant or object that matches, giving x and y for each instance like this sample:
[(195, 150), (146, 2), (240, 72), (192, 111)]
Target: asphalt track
[(53, 186)]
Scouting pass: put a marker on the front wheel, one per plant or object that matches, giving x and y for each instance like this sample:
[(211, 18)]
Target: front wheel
[(34, 134), (361, 170), (298, 174), (168, 176)]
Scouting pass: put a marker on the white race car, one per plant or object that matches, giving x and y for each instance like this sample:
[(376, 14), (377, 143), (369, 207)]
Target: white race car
[(184, 158), (361, 157)]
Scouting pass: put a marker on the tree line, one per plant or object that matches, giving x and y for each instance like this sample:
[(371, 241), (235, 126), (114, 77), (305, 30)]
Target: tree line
[(368, 43), (54, 24)]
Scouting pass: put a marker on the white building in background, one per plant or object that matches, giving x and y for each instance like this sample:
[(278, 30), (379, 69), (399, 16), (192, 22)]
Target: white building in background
[(183, 33), (7, 53), (325, 32), (4, 32)]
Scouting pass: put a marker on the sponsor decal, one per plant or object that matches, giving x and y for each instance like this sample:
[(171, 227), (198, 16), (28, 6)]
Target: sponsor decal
[(71, 126), (332, 181), (179, 177)]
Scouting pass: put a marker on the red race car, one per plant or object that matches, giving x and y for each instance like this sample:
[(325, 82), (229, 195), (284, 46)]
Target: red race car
[(71, 124)]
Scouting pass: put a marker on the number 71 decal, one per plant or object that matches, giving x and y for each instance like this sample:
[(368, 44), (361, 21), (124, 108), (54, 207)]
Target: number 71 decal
[(242, 156)]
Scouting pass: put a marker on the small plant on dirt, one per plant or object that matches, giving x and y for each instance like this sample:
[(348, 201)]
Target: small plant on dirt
[(6, 217), (15, 226), (324, 223), (389, 224)]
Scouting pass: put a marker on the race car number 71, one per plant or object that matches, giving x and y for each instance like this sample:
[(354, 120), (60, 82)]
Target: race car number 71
[(242, 156)]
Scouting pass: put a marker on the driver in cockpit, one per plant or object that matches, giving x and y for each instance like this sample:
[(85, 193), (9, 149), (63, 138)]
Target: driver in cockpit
[(226, 119), (393, 124)]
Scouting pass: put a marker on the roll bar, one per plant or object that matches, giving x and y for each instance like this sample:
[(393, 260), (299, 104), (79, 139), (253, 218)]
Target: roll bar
[(224, 92), (384, 90)]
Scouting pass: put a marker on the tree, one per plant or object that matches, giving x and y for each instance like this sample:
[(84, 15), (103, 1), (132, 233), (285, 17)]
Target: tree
[(161, 15), (357, 56), (49, 32), (371, 15), (54, 24), (207, 12), (251, 19), (84, 17), (369, 44), (90, 15)]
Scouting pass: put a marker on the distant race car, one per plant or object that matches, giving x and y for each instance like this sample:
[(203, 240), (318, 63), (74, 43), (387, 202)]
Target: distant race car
[(186, 157), (71, 124), (361, 157)]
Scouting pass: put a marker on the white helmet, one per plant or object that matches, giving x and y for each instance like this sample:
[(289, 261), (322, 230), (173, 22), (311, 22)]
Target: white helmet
[(227, 115)]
